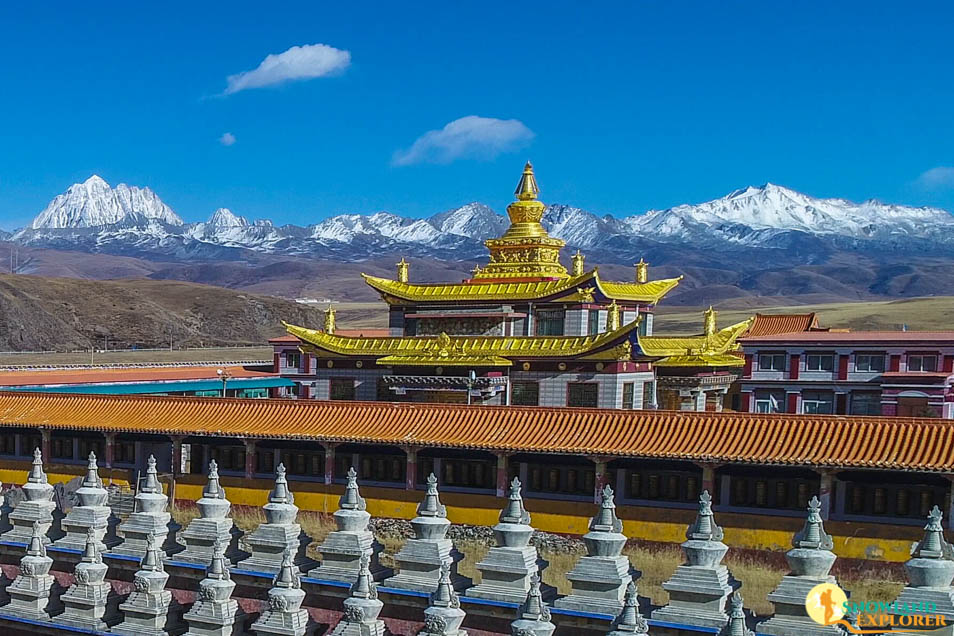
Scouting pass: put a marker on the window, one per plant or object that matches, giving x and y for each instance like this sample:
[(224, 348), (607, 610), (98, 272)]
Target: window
[(293, 360), (629, 389), (869, 362), (818, 402), (593, 321), (342, 389), (769, 401), (819, 362), (525, 393), (549, 323), (865, 403), (649, 395), (920, 362), (582, 394), (771, 362)]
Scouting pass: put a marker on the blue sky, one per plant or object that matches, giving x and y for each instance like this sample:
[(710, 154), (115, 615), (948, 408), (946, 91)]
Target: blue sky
[(622, 107)]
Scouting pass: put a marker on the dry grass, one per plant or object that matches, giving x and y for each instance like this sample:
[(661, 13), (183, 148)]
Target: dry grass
[(655, 563)]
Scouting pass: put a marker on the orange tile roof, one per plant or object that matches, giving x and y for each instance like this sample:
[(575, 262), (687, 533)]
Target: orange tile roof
[(127, 374), (767, 439), (772, 324)]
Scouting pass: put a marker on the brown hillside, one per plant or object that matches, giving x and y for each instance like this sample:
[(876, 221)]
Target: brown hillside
[(42, 313)]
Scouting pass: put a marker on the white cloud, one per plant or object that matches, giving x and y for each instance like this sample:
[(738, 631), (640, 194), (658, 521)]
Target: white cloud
[(297, 63), (470, 137), (227, 139), (940, 178)]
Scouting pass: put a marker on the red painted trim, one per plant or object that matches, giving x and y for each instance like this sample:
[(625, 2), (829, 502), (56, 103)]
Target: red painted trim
[(841, 403), (843, 367), (276, 364), (745, 402), (747, 369), (895, 363), (793, 363), (792, 406), (948, 364)]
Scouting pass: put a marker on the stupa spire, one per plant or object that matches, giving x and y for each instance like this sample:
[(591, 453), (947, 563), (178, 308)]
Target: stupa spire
[(527, 188), (525, 250), (351, 499), (92, 472), (37, 476)]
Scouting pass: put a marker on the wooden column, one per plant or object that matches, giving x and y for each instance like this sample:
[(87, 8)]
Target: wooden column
[(410, 471), (708, 476), (329, 463), (44, 444), (250, 459), (503, 474), (109, 448), (602, 477), (176, 467)]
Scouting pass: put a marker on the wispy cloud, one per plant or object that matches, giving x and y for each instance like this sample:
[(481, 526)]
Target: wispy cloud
[(227, 139), (297, 63), (470, 137), (940, 178)]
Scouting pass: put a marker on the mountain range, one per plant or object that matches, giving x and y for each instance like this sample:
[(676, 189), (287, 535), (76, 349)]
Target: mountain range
[(757, 241)]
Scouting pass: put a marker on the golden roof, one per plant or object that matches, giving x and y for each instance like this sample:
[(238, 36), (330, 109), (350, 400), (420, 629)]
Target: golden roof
[(714, 349), (567, 289), (458, 350)]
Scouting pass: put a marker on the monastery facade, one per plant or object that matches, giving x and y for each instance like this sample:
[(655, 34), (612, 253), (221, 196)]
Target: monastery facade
[(521, 331)]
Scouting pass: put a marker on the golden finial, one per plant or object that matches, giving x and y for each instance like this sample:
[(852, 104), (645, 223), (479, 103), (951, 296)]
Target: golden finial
[(612, 317), (402, 270), (642, 271), (527, 189), (330, 320), (476, 271), (577, 268), (709, 321)]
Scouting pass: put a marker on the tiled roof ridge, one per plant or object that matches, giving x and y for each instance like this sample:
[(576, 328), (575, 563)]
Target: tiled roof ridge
[(768, 439)]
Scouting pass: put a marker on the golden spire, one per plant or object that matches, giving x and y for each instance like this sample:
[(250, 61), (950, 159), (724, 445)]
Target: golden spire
[(525, 250), (612, 317), (330, 320), (402, 270), (577, 268), (527, 189), (709, 322), (642, 271)]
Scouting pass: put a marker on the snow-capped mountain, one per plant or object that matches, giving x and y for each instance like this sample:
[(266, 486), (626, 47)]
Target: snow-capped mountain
[(94, 203), (769, 219)]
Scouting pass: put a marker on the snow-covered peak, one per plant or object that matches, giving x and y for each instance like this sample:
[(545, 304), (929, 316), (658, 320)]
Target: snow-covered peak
[(94, 203), (224, 217), (474, 220), (773, 207)]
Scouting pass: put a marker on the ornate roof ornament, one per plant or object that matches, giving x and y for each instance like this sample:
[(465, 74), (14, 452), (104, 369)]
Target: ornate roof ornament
[(642, 271), (280, 493), (287, 576), (629, 620), (151, 484), (933, 545), (37, 476), (577, 264), (613, 317), (514, 512), (812, 535), (402, 270), (351, 499), (704, 528), (330, 320), (92, 472), (431, 505), (606, 519), (709, 322)]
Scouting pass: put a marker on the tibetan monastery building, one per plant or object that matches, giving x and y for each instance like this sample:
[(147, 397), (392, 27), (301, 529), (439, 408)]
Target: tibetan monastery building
[(522, 330)]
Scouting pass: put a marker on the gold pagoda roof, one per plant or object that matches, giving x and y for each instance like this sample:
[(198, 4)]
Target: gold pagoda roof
[(567, 289), (460, 350), (715, 349)]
